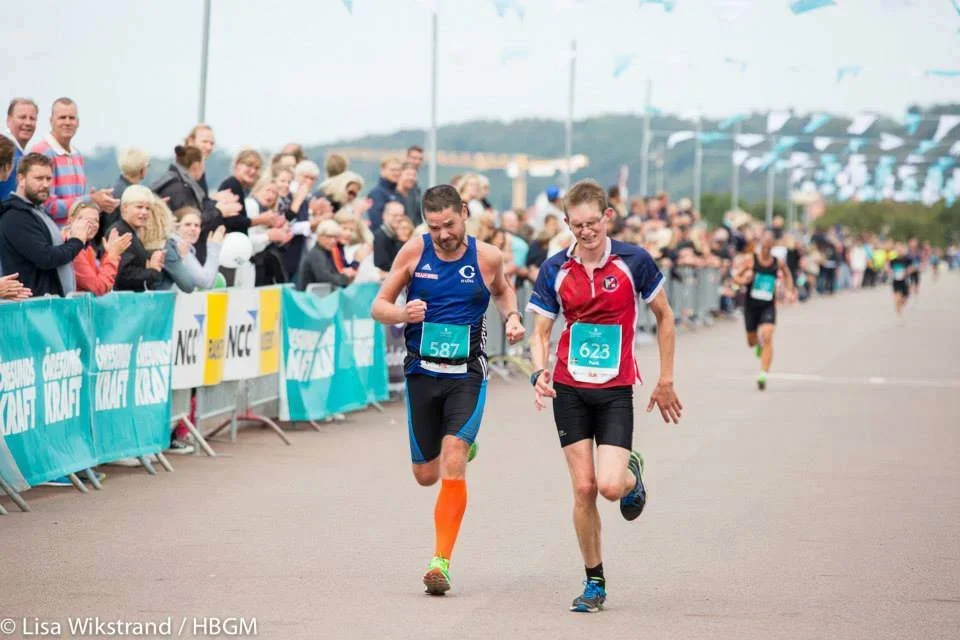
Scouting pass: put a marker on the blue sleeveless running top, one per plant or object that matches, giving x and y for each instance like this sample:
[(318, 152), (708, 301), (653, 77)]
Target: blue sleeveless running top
[(450, 341)]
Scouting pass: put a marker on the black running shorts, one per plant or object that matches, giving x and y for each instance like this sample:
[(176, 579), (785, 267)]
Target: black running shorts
[(756, 315), (438, 407), (604, 415), (901, 287)]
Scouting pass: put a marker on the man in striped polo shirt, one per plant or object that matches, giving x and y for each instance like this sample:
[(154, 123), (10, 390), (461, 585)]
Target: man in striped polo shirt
[(69, 180)]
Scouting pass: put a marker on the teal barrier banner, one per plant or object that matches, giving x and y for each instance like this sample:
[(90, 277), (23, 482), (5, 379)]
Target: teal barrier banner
[(130, 373), (366, 342), (318, 375), (44, 395)]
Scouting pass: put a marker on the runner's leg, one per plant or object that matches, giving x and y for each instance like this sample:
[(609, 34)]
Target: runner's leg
[(614, 478), (766, 338), (586, 518)]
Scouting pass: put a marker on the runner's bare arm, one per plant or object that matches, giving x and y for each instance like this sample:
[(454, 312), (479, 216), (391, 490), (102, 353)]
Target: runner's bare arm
[(741, 273), (384, 308), (663, 396), (787, 277), (540, 341), (540, 355), (503, 293)]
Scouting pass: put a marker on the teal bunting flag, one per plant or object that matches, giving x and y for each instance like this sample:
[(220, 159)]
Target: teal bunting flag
[(924, 147), (621, 65), (785, 144), (706, 137), (852, 71), (667, 5), (912, 122), (732, 120), (816, 122), (804, 6)]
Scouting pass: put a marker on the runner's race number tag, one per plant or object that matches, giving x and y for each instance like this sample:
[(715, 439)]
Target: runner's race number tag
[(594, 355), (899, 272), (446, 342), (764, 284)]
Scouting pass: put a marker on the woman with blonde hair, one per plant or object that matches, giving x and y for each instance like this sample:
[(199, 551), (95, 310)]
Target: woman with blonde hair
[(246, 172), (470, 190), (158, 235), (94, 276), (357, 242), (188, 233)]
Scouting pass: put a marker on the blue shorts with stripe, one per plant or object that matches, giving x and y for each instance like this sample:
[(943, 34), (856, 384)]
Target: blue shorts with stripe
[(438, 407)]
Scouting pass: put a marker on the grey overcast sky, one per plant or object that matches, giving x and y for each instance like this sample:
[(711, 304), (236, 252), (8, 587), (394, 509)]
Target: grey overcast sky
[(307, 70)]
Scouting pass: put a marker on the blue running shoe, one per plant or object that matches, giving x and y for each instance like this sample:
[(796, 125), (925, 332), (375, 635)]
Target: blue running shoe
[(631, 505), (592, 599)]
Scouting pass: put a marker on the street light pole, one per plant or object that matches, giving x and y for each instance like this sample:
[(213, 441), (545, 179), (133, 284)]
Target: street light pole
[(204, 59), (735, 179), (432, 143), (645, 153), (569, 125)]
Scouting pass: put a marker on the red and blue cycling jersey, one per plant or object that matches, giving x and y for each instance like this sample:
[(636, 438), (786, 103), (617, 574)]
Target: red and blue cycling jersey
[(626, 273)]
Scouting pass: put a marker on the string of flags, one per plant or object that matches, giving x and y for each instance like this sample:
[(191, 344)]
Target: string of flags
[(805, 6)]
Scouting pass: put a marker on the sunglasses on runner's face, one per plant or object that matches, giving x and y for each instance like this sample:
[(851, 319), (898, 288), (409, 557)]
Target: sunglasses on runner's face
[(353, 194)]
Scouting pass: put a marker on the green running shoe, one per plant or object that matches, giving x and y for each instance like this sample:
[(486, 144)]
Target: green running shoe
[(758, 350), (762, 382), (472, 452), (437, 578)]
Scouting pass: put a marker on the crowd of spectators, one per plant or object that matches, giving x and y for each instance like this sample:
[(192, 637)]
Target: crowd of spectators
[(60, 235)]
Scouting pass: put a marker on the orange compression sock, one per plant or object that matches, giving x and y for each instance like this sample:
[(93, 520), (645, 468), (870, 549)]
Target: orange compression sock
[(448, 514)]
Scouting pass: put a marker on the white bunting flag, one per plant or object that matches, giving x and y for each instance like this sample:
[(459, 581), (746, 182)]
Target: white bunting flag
[(752, 164), (776, 120), (749, 139), (905, 171), (955, 149), (947, 123), (860, 124), (797, 175), (889, 142), (821, 143), (678, 137), (799, 159), (740, 156), (914, 159)]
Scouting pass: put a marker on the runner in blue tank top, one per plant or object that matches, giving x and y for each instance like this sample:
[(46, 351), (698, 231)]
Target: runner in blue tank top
[(450, 279)]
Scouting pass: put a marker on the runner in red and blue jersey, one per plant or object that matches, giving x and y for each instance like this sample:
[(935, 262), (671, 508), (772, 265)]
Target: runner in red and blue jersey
[(596, 286)]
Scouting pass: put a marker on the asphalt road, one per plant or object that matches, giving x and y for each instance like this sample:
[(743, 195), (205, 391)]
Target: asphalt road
[(826, 507)]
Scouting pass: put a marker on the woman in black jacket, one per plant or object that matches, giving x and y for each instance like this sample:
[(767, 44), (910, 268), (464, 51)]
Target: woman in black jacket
[(180, 186)]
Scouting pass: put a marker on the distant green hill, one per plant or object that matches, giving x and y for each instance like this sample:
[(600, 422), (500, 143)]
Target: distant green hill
[(610, 142)]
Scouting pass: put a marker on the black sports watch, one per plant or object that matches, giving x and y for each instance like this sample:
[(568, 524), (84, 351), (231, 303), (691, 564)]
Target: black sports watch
[(535, 376)]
